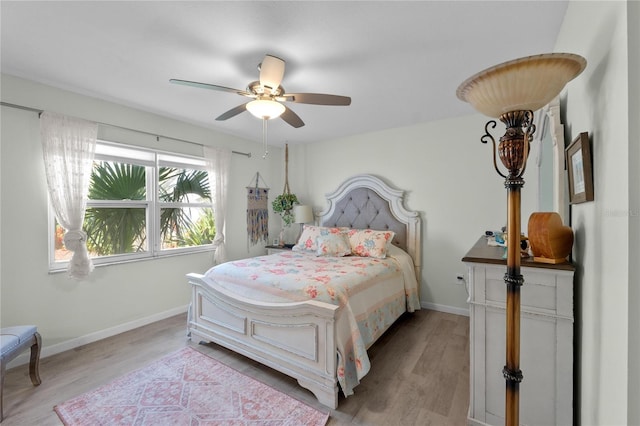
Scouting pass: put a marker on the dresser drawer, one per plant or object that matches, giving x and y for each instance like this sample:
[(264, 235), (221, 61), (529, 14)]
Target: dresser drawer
[(548, 292)]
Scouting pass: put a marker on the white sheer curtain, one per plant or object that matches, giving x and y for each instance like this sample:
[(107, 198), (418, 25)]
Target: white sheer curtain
[(218, 164), (68, 146)]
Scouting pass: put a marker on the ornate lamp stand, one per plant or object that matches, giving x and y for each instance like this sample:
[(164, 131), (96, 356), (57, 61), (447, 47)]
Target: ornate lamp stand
[(514, 151)]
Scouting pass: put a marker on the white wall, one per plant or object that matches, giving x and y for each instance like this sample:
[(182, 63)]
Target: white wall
[(598, 102), (69, 312), (448, 176), (633, 392)]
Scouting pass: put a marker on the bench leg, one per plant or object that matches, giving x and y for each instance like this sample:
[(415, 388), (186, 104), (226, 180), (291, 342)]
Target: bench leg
[(34, 363)]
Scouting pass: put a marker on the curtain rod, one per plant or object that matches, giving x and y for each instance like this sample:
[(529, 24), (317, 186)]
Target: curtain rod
[(40, 111)]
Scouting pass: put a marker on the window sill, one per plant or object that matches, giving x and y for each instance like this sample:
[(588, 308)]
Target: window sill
[(62, 267)]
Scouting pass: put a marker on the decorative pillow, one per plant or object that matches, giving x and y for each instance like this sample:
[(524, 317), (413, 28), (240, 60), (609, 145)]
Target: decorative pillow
[(307, 240), (333, 245), (370, 243)]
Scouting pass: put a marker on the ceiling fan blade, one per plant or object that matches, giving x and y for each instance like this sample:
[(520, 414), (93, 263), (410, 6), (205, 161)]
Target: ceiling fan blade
[(317, 99), (232, 112), (271, 72), (292, 118), (211, 87)]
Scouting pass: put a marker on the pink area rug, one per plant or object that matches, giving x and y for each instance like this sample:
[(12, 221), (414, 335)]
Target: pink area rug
[(187, 388)]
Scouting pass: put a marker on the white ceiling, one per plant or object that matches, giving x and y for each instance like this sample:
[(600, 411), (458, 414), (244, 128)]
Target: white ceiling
[(400, 62)]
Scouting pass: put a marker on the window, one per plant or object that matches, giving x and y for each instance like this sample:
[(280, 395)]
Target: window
[(142, 204)]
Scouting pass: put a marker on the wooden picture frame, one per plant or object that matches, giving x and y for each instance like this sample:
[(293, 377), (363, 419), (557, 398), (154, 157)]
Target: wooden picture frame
[(578, 158)]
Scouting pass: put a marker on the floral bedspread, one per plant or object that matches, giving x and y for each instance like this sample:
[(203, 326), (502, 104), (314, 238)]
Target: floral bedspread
[(372, 293)]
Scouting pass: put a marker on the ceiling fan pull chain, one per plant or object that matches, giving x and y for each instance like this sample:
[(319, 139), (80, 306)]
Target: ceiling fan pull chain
[(264, 138)]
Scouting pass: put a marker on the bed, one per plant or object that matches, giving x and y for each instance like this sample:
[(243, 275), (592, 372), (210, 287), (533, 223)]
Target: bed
[(315, 333)]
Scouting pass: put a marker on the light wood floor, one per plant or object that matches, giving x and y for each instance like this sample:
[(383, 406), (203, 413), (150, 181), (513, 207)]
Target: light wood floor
[(419, 373)]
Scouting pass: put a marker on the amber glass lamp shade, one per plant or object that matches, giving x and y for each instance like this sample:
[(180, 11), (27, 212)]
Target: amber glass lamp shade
[(525, 84), (511, 91)]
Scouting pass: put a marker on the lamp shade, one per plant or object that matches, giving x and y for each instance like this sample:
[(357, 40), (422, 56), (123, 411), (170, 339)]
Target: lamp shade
[(523, 84), (265, 108), (303, 214)]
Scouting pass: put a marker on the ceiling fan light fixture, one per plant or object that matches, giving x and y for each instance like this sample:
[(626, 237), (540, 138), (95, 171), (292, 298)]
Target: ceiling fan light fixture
[(265, 108)]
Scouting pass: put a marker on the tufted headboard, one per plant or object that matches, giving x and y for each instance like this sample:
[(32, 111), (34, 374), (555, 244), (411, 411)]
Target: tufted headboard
[(365, 201)]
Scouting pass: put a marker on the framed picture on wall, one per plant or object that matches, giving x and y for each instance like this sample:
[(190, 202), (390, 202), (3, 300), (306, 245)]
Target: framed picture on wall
[(578, 157)]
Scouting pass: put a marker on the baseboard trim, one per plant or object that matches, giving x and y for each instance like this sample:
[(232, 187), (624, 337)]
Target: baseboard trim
[(98, 335), (445, 308)]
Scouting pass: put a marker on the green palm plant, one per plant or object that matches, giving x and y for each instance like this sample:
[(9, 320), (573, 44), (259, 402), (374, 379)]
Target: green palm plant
[(116, 230), (123, 230), (202, 232), (177, 186)]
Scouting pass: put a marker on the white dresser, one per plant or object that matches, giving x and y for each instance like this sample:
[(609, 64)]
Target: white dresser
[(546, 339)]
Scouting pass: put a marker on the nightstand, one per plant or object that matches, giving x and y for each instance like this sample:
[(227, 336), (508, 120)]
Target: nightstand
[(277, 249)]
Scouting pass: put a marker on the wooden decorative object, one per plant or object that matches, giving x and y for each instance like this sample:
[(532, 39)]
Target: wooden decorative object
[(550, 241)]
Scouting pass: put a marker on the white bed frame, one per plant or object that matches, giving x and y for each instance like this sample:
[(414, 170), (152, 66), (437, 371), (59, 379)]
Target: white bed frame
[(296, 339)]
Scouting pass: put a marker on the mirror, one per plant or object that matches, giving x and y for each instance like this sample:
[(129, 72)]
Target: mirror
[(549, 160)]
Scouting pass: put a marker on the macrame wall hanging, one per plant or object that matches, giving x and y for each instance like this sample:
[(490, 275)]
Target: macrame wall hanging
[(257, 213)]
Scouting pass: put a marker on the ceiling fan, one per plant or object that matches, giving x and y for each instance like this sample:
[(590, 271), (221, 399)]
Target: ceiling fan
[(268, 95)]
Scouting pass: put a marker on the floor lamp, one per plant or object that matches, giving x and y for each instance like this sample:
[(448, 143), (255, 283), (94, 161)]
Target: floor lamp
[(511, 92)]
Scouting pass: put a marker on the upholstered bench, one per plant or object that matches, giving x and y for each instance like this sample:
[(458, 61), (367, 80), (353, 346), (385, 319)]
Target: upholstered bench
[(14, 341)]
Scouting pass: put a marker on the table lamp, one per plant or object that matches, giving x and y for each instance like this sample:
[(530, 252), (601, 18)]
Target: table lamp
[(302, 215)]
